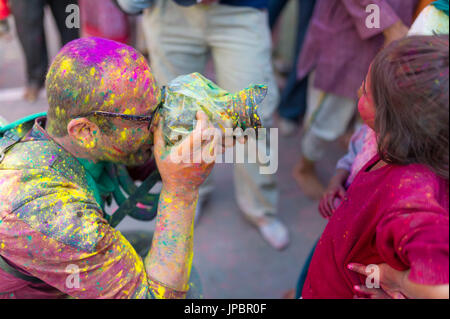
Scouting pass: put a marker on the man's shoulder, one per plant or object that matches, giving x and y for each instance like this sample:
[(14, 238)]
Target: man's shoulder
[(43, 187), (63, 213)]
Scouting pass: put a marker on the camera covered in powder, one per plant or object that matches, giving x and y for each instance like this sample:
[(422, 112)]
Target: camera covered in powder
[(186, 95)]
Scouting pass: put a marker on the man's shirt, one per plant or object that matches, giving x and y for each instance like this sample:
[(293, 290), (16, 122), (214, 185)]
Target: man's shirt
[(52, 228), (136, 6)]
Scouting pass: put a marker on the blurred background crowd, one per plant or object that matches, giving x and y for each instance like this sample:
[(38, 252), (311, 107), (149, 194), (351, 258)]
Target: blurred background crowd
[(313, 55)]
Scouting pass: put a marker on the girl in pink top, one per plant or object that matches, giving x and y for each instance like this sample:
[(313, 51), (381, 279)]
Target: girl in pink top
[(396, 211)]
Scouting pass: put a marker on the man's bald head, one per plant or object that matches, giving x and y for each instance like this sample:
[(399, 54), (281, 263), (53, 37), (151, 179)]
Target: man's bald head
[(94, 74)]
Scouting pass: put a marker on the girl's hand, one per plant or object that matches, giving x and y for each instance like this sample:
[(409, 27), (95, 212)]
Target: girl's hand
[(335, 190), (390, 282)]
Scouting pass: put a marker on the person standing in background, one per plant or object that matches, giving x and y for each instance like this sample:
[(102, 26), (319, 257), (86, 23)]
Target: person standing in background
[(180, 36), (102, 18), (4, 13), (338, 49), (293, 97), (29, 18), (433, 19)]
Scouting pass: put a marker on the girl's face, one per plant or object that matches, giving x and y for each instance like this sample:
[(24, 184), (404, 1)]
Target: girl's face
[(366, 106)]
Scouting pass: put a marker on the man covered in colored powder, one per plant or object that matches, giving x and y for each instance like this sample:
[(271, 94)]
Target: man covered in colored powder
[(55, 240)]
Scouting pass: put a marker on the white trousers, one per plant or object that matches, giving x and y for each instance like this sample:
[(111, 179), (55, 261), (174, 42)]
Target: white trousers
[(180, 40), (327, 118)]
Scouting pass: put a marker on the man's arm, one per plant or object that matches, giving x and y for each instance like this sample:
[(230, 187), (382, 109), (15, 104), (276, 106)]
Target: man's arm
[(170, 258), (169, 261), (62, 239)]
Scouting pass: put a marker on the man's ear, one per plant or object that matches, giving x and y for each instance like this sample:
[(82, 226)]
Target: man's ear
[(84, 132)]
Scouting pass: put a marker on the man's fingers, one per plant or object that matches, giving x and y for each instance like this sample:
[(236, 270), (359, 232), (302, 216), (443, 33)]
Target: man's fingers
[(200, 142), (213, 148), (374, 293), (201, 116), (158, 139), (359, 268), (242, 139), (194, 140)]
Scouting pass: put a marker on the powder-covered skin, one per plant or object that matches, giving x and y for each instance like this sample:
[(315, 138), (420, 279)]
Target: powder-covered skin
[(102, 75), (49, 220), (187, 94), (49, 217)]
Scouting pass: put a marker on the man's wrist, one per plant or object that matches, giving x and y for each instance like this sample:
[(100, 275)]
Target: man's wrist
[(180, 192)]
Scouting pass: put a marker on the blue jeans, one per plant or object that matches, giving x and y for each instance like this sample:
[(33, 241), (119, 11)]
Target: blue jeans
[(302, 278), (293, 98)]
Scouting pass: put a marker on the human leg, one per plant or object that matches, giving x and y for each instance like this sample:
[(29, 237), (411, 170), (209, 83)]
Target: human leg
[(241, 47), (58, 8), (29, 17), (175, 37), (293, 98), (327, 118)]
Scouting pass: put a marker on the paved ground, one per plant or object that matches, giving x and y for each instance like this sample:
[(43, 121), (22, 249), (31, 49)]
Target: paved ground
[(233, 260)]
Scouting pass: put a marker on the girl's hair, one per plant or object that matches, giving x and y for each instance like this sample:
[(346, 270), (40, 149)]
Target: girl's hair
[(409, 84)]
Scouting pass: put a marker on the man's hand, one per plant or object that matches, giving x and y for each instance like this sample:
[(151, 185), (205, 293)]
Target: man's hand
[(170, 258), (335, 190), (186, 170), (396, 284), (391, 282), (395, 32)]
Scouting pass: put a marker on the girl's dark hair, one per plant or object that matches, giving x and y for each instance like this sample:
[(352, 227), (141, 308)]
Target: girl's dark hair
[(409, 84)]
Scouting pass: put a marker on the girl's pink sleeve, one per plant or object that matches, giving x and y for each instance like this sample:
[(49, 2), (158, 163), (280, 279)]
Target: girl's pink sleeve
[(416, 240)]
